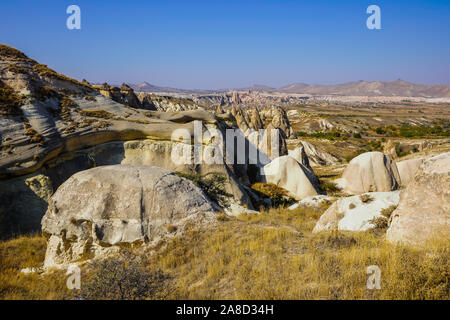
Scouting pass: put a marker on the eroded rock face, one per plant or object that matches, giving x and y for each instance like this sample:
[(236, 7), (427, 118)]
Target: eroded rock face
[(353, 214), (407, 169), (424, 209), (101, 209), (289, 174), (299, 154), (370, 172), (317, 156)]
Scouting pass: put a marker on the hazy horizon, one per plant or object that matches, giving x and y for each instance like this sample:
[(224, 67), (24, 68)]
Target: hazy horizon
[(234, 44)]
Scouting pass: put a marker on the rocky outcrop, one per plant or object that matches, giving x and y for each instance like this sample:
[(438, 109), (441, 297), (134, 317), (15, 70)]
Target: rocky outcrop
[(317, 156), (407, 169), (124, 95), (162, 103), (356, 213), (370, 172), (289, 174), (424, 209), (300, 155), (102, 209), (273, 142), (389, 149), (280, 120)]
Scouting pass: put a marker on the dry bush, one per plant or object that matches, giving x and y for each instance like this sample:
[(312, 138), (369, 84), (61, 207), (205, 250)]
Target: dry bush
[(97, 114), (124, 277), (279, 197), (366, 198), (10, 101)]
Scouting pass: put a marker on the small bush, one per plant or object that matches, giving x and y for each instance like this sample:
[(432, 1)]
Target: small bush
[(352, 206), (222, 217), (365, 198), (171, 228), (329, 186), (357, 135), (277, 195)]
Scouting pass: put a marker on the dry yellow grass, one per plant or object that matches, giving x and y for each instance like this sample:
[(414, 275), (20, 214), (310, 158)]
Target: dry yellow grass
[(23, 252), (273, 255)]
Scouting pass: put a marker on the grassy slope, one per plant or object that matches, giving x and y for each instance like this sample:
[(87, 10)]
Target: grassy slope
[(271, 256)]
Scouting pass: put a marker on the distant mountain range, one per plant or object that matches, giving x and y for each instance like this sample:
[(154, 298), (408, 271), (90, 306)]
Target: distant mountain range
[(398, 88)]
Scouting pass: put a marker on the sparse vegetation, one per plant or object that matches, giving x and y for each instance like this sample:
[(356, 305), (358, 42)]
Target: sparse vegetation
[(279, 197), (124, 277), (45, 71), (366, 198), (240, 259), (329, 135), (329, 186), (10, 52), (14, 68), (97, 114), (10, 101)]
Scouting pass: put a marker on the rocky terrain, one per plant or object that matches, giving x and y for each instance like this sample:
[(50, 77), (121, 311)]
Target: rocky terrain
[(92, 167)]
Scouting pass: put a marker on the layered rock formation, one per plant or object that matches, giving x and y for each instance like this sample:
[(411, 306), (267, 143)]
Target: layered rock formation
[(317, 156), (124, 95), (55, 126), (423, 212), (102, 209)]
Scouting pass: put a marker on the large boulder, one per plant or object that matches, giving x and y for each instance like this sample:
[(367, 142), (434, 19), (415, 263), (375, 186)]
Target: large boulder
[(102, 209), (370, 172), (424, 209), (289, 174), (356, 213), (300, 155), (407, 169)]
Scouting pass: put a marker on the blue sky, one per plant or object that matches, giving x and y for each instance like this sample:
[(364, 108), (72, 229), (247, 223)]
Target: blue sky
[(234, 43)]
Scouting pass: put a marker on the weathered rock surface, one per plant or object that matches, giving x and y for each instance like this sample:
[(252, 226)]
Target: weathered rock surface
[(313, 201), (407, 169), (101, 209), (352, 214), (289, 174), (370, 172), (424, 209), (300, 155), (317, 156)]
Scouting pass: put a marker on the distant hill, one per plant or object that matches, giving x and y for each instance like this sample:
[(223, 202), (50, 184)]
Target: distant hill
[(147, 87), (372, 88)]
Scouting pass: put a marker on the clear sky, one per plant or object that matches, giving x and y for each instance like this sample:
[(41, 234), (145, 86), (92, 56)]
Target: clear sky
[(234, 43)]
